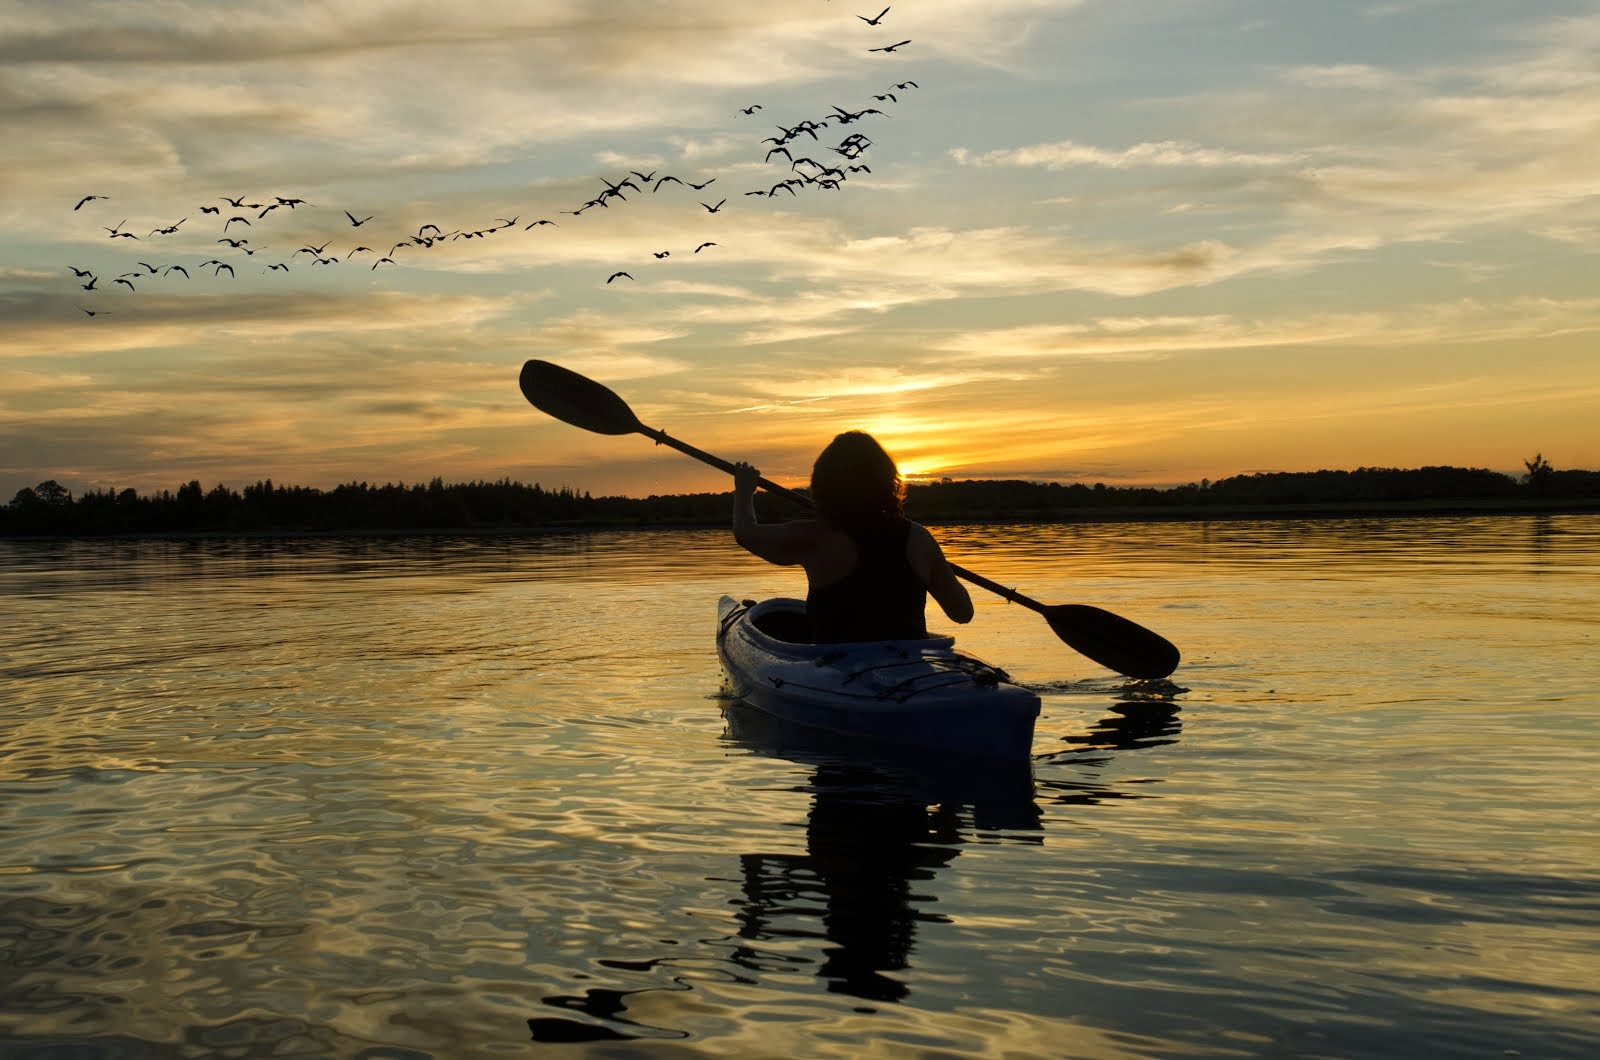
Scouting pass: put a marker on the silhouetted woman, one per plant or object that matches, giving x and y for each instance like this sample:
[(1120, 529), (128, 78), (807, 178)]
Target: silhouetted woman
[(869, 568)]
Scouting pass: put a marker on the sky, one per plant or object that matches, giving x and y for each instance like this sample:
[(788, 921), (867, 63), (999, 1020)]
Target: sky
[(1130, 241)]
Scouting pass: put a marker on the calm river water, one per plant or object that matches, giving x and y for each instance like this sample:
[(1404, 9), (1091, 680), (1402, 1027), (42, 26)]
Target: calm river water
[(460, 797)]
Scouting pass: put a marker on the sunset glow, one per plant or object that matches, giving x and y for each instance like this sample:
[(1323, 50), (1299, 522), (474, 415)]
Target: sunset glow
[(1085, 242)]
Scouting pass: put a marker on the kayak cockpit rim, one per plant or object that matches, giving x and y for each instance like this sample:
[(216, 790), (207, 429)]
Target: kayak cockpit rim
[(782, 620)]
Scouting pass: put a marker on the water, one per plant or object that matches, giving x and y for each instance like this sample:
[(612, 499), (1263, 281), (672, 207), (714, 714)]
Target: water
[(477, 797)]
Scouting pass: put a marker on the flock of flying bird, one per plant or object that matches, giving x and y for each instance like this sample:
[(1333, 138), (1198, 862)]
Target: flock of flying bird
[(790, 146)]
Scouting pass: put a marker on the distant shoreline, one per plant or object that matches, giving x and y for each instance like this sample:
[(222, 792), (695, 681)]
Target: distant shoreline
[(1433, 508)]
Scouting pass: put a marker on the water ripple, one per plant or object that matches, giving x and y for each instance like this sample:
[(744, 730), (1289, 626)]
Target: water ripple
[(449, 798)]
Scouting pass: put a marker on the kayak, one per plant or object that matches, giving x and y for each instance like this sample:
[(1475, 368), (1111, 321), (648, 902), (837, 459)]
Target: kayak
[(921, 693)]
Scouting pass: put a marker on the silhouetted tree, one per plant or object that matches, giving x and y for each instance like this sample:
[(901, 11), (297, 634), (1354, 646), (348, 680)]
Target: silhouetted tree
[(1538, 476)]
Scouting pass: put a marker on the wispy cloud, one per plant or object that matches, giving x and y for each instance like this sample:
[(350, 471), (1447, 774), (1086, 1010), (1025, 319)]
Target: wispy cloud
[(1169, 153), (1115, 338)]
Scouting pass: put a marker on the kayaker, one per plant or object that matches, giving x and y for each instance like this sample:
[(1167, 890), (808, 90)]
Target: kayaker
[(869, 569)]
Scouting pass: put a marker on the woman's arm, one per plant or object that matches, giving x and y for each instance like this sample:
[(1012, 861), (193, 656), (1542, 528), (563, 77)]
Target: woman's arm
[(786, 544), (927, 559)]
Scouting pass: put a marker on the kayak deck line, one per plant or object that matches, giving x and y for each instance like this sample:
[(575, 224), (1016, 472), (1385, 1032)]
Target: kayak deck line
[(886, 695)]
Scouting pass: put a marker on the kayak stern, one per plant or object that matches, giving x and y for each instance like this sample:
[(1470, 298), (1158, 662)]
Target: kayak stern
[(922, 693)]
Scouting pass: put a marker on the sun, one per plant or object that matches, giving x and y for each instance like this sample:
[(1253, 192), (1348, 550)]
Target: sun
[(917, 469)]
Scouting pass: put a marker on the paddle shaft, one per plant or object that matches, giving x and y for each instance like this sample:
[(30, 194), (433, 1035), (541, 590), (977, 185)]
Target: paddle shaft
[(663, 438)]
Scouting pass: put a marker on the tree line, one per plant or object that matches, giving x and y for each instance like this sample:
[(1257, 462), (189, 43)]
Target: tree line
[(263, 507)]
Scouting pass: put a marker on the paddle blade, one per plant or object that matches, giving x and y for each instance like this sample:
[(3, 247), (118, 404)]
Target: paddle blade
[(576, 399), (1113, 641)]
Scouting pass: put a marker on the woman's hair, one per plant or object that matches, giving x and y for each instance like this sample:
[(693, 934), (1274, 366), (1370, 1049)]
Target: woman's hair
[(855, 483)]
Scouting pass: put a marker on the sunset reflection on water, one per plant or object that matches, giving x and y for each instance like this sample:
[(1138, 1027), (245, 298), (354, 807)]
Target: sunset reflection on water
[(447, 794)]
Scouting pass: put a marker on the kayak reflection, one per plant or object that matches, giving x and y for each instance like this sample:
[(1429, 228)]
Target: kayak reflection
[(882, 821)]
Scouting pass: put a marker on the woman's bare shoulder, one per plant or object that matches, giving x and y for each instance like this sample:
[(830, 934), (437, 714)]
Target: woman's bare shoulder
[(923, 551), (919, 537)]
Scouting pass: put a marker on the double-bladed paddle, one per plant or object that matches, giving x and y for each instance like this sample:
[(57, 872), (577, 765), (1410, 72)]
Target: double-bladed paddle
[(1109, 639)]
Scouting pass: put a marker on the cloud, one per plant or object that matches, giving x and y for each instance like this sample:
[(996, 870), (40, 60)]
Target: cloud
[(1168, 154), (1143, 338), (50, 325)]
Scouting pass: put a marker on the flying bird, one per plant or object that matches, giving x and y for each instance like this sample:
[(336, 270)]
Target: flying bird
[(751, 109), (146, 264), (703, 246), (177, 268), (211, 209), (874, 20), (713, 209), (614, 275), (848, 116), (234, 243), (380, 261), (663, 180), (119, 279), (698, 187), (233, 219), (890, 47), (94, 312), (220, 266), (89, 198), (90, 285), (80, 273), (907, 84), (353, 222), (280, 265), (541, 221)]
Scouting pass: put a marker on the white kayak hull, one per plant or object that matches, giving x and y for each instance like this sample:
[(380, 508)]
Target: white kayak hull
[(920, 693)]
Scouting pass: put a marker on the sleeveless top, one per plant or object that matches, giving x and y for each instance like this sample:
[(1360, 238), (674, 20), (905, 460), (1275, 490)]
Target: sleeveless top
[(882, 598)]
